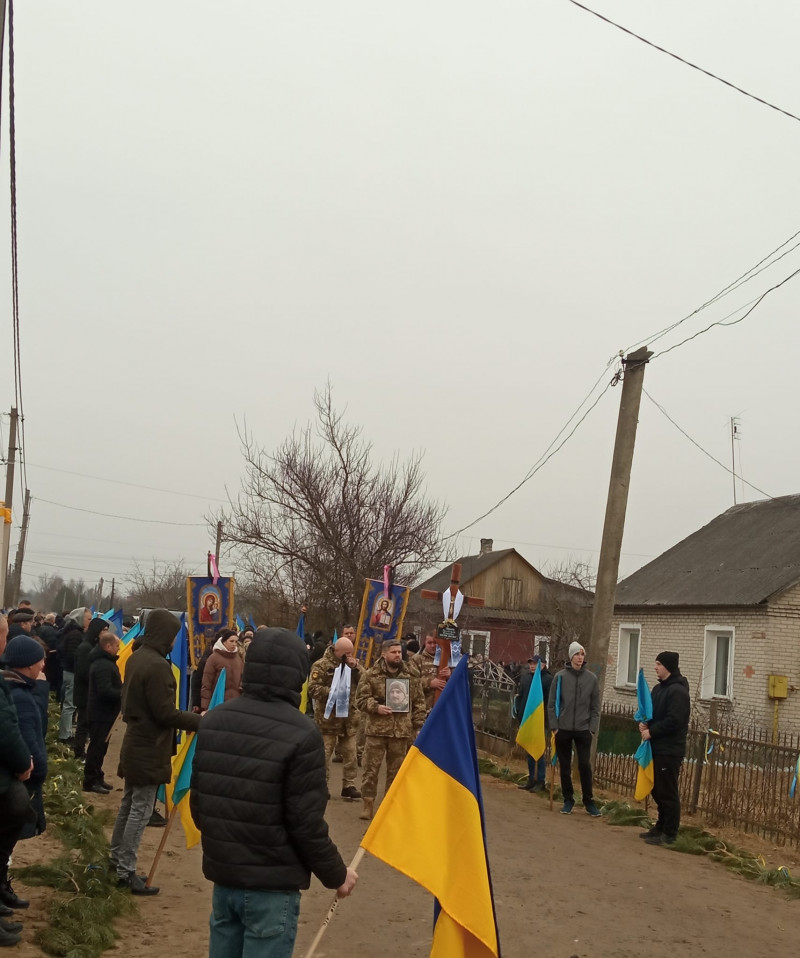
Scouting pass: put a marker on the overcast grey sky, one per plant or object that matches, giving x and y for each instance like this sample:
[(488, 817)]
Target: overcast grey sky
[(458, 212)]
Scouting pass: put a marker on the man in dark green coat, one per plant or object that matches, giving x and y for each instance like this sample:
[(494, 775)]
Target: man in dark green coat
[(148, 709)]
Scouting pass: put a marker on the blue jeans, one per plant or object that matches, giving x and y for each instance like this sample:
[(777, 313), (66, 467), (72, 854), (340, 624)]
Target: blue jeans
[(134, 813), (248, 923), (67, 707), (537, 768)]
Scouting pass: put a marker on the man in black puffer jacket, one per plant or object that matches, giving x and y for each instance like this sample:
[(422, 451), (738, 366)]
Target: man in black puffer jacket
[(258, 796), (80, 687), (666, 732)]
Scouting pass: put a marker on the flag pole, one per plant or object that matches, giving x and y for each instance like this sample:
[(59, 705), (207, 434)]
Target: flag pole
[(332, 910), (161, 845)]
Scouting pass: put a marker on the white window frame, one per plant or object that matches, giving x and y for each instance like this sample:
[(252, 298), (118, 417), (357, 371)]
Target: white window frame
[(709, 680), (540, 643), (472, 634), (626, 630)]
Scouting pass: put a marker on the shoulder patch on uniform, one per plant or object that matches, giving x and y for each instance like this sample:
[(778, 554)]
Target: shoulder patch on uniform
[(315, 675)]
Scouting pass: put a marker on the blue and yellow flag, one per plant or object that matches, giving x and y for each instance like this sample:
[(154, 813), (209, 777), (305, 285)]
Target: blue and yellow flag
[(239, 623), (179, 659), (644, 754), (126, 649), (177, 791), (530, 734), (793, 786), (441, 771), (114, 618)]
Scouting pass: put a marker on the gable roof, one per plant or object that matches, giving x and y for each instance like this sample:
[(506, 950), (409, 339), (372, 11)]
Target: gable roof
[(742, 557), (471, 566)]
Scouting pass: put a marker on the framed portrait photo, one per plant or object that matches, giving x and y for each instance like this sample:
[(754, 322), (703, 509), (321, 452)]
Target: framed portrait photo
[(398, 694)]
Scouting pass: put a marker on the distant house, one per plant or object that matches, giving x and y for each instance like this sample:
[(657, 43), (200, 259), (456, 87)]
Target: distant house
[(524, 612), (727, 598)]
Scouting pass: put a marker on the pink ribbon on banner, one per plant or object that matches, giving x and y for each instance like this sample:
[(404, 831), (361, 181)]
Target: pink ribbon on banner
[(212, 561), (387, 581)]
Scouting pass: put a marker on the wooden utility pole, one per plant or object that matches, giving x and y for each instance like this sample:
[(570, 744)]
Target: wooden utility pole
[(219, 542), (608, 567), (5, 585), (111, 600), (23, 536)]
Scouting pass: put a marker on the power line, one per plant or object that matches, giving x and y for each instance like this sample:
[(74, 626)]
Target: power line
[(744, 278), (705, 452), (548, 454), (123, 482), (733, 322), (687, 63), (111, 515)]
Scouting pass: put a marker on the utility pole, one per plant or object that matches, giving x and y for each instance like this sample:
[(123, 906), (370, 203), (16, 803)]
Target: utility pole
[(734, 435), (5, 589), (219, 542), (100, 595), (111, 600), (23, 536), (611, 544)]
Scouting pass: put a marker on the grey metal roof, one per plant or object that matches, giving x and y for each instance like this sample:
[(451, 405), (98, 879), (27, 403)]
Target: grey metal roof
[(742, 557), (471, 566)]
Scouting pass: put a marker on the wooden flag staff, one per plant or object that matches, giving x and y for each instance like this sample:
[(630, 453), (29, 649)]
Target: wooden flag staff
[(332, 910)]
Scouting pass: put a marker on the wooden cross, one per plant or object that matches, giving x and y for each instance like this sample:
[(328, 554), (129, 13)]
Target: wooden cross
[(444, 643)]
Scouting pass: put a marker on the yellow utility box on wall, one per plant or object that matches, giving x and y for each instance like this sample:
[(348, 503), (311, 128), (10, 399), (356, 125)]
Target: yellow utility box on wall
[(778, 686)]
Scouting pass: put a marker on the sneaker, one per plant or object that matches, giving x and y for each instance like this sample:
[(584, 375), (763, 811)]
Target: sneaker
[(566, 808), (137, 885), (659, 840), (651, 833), (351, 792), (592, 809), (157, 820)]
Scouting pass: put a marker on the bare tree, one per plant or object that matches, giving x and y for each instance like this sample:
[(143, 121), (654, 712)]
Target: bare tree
[(573, 571), (161, 587), (317, 516)]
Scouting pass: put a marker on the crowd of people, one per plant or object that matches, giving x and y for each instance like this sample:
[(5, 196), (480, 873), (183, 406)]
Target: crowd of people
[(261, 772)]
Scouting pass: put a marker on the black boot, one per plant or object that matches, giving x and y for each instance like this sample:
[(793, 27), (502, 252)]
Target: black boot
[(10, 898), (9, 938), (5, 911), (12, 927)]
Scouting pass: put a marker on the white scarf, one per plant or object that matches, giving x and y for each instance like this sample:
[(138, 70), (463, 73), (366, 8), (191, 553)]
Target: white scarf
[(339, 693)]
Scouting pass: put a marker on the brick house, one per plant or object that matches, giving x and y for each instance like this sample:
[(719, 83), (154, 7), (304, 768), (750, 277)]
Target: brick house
[(524, 612), (727, 598)]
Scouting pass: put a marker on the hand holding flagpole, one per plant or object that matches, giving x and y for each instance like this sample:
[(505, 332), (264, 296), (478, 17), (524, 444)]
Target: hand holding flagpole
[(332, 910)]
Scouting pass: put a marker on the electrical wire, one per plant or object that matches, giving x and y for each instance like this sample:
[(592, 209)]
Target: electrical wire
[(724, 322), (547, 455), (112, 515), (705, 452), (680, 59), (123, 482), (744, 278)]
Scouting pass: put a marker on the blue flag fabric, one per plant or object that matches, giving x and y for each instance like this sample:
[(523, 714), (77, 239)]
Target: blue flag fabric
[(182, 776), (793, 786), (179, 658), (441, 771), (301, 626), (644, 754), (239, 623), (114, 618), (252, 623)]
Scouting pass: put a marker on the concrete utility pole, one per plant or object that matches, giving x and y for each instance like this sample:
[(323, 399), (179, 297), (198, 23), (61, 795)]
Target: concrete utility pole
[(608, 567), (5, 585), (23, 537), (219, 542)]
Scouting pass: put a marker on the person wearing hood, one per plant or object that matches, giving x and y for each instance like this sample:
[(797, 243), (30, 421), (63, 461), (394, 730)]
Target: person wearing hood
[(258, 796), (102, 708), (224, 655), (69, 638), (80, 686), (145, 762), (573, 713), (666, 731)]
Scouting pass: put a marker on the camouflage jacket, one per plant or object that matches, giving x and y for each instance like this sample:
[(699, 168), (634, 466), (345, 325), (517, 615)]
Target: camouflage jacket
[(422, 665), (372, 693), (319, 687)]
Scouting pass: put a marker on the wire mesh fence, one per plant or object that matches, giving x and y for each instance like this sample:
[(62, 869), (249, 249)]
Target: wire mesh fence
[(732, 775)]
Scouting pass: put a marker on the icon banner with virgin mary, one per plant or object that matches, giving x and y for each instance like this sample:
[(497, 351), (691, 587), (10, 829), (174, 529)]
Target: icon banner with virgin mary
[(210, 608)]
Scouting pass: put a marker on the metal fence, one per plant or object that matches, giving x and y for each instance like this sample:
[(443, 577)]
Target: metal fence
[(733, 775)]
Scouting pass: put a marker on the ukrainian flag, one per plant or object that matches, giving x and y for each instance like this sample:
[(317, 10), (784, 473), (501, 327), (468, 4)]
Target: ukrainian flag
[(530, 734), (179, 660), (793, 786), (126, 649), (177, 791), (441, 771), (644, 754)]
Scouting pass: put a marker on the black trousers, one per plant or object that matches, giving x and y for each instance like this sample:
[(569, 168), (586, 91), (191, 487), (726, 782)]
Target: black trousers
[(13, 816), (96, 753), (583, 746), (81, 733), (666, 795)]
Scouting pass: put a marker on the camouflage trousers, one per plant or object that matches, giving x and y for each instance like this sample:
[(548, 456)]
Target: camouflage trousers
[(377, 746), (345, 745)]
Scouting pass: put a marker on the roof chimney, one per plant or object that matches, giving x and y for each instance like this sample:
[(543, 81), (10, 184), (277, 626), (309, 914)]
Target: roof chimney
[(486, 546)]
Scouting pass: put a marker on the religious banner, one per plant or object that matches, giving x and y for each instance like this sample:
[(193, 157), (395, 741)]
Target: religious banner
[(209, 606), (381, 619)]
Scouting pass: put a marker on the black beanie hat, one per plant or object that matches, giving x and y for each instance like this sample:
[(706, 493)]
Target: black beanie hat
[(669, 660), (22, 651)]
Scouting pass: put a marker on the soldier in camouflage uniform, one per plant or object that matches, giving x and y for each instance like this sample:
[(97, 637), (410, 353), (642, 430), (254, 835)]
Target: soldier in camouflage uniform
[(388, 733), (431, 678), (336, 730)]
